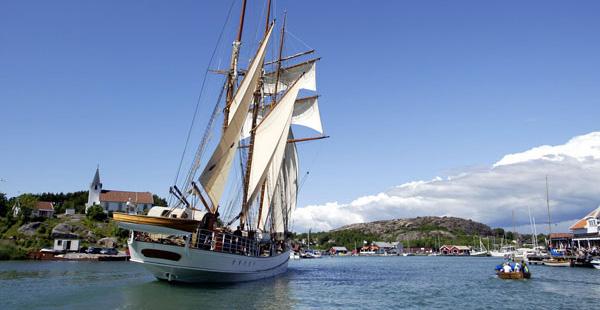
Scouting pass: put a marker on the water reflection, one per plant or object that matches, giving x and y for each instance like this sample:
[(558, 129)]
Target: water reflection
[(273, 293)]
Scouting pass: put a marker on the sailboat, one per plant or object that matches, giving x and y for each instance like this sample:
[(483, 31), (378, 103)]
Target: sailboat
[(556, 259), (482, 251), (190, 240)]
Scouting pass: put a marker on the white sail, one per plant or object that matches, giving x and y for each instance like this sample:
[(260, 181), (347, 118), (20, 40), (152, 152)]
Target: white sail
[(270, 134), (215, 174), (273, 181), (285, 196), (288, 75), (291, 170), (306, 113)]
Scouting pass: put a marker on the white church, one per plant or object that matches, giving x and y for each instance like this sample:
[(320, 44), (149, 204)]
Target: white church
[(117, 201)]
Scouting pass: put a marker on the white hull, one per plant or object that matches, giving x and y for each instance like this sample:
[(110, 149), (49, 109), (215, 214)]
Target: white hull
[(197, 266), (501, 254), (557, 264)]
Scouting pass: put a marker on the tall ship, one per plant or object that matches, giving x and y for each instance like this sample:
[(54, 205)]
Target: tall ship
[(230, 218)]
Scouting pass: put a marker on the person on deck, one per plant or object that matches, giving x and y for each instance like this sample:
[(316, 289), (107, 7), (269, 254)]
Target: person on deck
[(238, 235)]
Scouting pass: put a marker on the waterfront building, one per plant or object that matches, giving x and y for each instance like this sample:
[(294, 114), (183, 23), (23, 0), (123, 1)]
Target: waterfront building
[(385, 247), (338, 250), (455, 250), (66, 244), (117, 200), (561, 240), (586, 231)]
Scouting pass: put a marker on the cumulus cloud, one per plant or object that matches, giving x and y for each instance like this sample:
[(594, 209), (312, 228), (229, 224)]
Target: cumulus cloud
[(516, 182)]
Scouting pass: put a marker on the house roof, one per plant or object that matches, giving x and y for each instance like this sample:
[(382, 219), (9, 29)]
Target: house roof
[(462, 247), (582, 223), (44, 206), (339, 248), (561, 235), (123, 196), (383, 244)]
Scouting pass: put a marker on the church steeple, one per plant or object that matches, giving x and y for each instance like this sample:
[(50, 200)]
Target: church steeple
[(96, 185), (95, 190)]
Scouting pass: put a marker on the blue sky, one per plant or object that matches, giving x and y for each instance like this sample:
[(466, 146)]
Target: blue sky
[(410, 90)]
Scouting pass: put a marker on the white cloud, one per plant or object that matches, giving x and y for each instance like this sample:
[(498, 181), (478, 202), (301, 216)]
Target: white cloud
[(516, 182)]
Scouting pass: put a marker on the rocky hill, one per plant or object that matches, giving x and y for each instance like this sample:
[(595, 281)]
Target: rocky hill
[(420, 228)]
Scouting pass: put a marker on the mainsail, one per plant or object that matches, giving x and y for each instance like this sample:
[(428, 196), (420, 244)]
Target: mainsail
[(270, 138), (215, 174)]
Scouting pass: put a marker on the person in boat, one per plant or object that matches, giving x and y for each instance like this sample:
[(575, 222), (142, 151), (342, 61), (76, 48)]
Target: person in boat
[(507, 268), (517, 267), (525, 269)]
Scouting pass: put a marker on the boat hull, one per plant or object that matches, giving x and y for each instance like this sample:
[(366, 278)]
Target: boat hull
[(558, 264), (513, 275), (189, 265)]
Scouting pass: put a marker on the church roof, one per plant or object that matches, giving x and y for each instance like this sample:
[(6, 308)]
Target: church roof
[(123, 196), (44, 206)]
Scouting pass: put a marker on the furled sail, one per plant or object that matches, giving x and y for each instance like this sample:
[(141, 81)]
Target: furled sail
[(287, 76), (306, 113), (271, 134), (285, 196), (215, 174), (273, 181)]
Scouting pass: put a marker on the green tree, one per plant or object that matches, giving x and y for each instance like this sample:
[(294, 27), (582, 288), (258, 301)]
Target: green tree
[(498, 232), (158, 201), (3, 205), (96, 213), (27, 204)]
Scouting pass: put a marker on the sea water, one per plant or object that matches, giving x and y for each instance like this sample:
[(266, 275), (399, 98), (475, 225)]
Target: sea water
[(329, 282)]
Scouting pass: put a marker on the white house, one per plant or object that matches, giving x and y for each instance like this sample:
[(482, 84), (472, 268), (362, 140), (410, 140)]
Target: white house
[(66, 245), (586, 231), (114, 200)]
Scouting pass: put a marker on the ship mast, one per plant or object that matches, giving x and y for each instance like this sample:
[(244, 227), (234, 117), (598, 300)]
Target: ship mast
[(548, 206), (232, 76), (255, 109), (273, 101)]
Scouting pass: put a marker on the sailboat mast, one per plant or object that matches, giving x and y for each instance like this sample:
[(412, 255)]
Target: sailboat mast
[(548, 205), (274, 95), (232, 76)]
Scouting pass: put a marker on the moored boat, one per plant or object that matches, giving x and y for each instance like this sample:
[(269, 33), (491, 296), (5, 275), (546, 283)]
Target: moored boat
[(595, 263), (557, 262)]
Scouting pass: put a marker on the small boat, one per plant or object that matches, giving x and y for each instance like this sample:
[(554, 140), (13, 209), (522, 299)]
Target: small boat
[(557, 262), (294, 255), (515, 275), (481, 252), (595, 263)]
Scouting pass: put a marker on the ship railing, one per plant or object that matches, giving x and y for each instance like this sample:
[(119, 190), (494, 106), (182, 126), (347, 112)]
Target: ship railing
[(225, 243), (215, 241)]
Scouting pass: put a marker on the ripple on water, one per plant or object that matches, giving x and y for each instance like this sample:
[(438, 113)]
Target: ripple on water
[(341, 282)]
